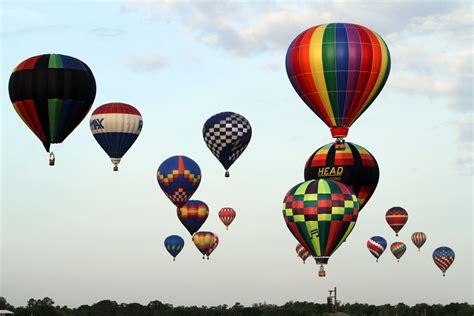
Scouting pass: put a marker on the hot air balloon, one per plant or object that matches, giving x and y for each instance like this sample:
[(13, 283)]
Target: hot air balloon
[(398, 249), (302, 253), (396, 217), (174, 244), (338, 70), (376, 246), (205, 242), (418, 238), (193, 214), (115, 127), (227, 215), (320, 214), (179, 178), (52, 94), (353, 166), (227, 134), (443, 257)]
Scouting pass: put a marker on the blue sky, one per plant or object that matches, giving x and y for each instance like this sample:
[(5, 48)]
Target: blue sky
[(80, 233)]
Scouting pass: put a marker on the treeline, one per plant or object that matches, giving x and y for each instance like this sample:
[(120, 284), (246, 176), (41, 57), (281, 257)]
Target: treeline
[(47, 307)]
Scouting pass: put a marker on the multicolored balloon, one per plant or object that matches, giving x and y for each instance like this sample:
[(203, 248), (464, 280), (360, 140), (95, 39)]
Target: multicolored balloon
[(352, 165), (418, 238), (376, 246), (398, 249), (320, 214), (116, 127), (302, 253), (443, 257), (338, 70), (227, 134), (174, 244), (227, 216), (205, 242), (396, 218), (52, 94), (193, 214), (179, 178)]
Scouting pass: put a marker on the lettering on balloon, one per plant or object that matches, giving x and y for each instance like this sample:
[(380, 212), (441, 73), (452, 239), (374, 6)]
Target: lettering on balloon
[(330, 171), (97, 123), (314, 232)]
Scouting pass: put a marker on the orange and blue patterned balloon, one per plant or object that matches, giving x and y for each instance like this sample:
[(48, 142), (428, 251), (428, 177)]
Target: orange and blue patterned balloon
[(352, 165), (419, 239), (193, 214), (52, 94), (174, 244), (320, 214), (227, 134), (443, 257), (398, 249), (396, 218), (302, 253), (338, 70), (376, 246), (179, 178)]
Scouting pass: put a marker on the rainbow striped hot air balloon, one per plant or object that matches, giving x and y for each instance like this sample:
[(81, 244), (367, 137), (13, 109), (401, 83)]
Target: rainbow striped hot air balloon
[(398, 249), (302, 253), (338, 69)]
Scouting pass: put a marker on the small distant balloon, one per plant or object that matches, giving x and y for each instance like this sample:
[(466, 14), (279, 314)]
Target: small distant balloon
[(419, 239), (179, 178), (376, 246), (174, 244), (443, 257), (205, 242), (396, 218), (193, 214), (227, 216), (398, 249), (302, 252), (227, 134)]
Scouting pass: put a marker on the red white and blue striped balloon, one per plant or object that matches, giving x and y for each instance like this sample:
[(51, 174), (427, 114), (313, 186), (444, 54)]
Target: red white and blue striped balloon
[(116, 127), (443, 257), (376, 246)]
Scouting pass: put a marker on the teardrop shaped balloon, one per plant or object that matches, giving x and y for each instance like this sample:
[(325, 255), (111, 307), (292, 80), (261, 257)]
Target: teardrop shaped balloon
[(396, 218), (193, 214), (320, 214), (443, 257), (352, 165), (52, 94), (227, 216), (227, 134), (376, 246), (116, 127), (174, 244), (204, 242), (338, 70), (302, 252), (179, 178), (213, 247), (398, 249), (419, 239)]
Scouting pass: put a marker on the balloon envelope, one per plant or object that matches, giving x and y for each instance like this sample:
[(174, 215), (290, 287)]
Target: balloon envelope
[(338, 69), (227, 216), (376, 246), (205, 242), (353, 166), (193, 214), (320, 214), (418, 239), (398, 249), (52, 94), (174, 244), (302, 252), (227, 134), (179, 178), (116, 127), (443, 257), (396, 218)]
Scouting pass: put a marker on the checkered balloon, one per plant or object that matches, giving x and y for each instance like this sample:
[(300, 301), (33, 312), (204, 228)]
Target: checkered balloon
[(227, 134)]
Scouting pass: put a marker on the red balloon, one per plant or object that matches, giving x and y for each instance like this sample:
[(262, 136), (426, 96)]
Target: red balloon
[(227, 216)]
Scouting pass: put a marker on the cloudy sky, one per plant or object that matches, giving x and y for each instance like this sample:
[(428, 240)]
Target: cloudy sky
[(79, 233)]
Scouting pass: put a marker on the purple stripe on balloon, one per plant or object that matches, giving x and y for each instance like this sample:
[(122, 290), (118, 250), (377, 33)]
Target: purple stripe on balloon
[(354, 68)]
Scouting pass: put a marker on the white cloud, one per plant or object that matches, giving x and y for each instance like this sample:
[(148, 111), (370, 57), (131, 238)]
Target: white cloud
[(107, 31), (151, 62)]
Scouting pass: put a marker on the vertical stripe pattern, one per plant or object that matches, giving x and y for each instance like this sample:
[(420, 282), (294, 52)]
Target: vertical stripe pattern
[(338, 70)]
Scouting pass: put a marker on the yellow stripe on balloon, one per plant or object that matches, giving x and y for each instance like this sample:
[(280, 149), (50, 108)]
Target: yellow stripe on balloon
[(382, 73), (313, 226), (301, 189), (317, 69)]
